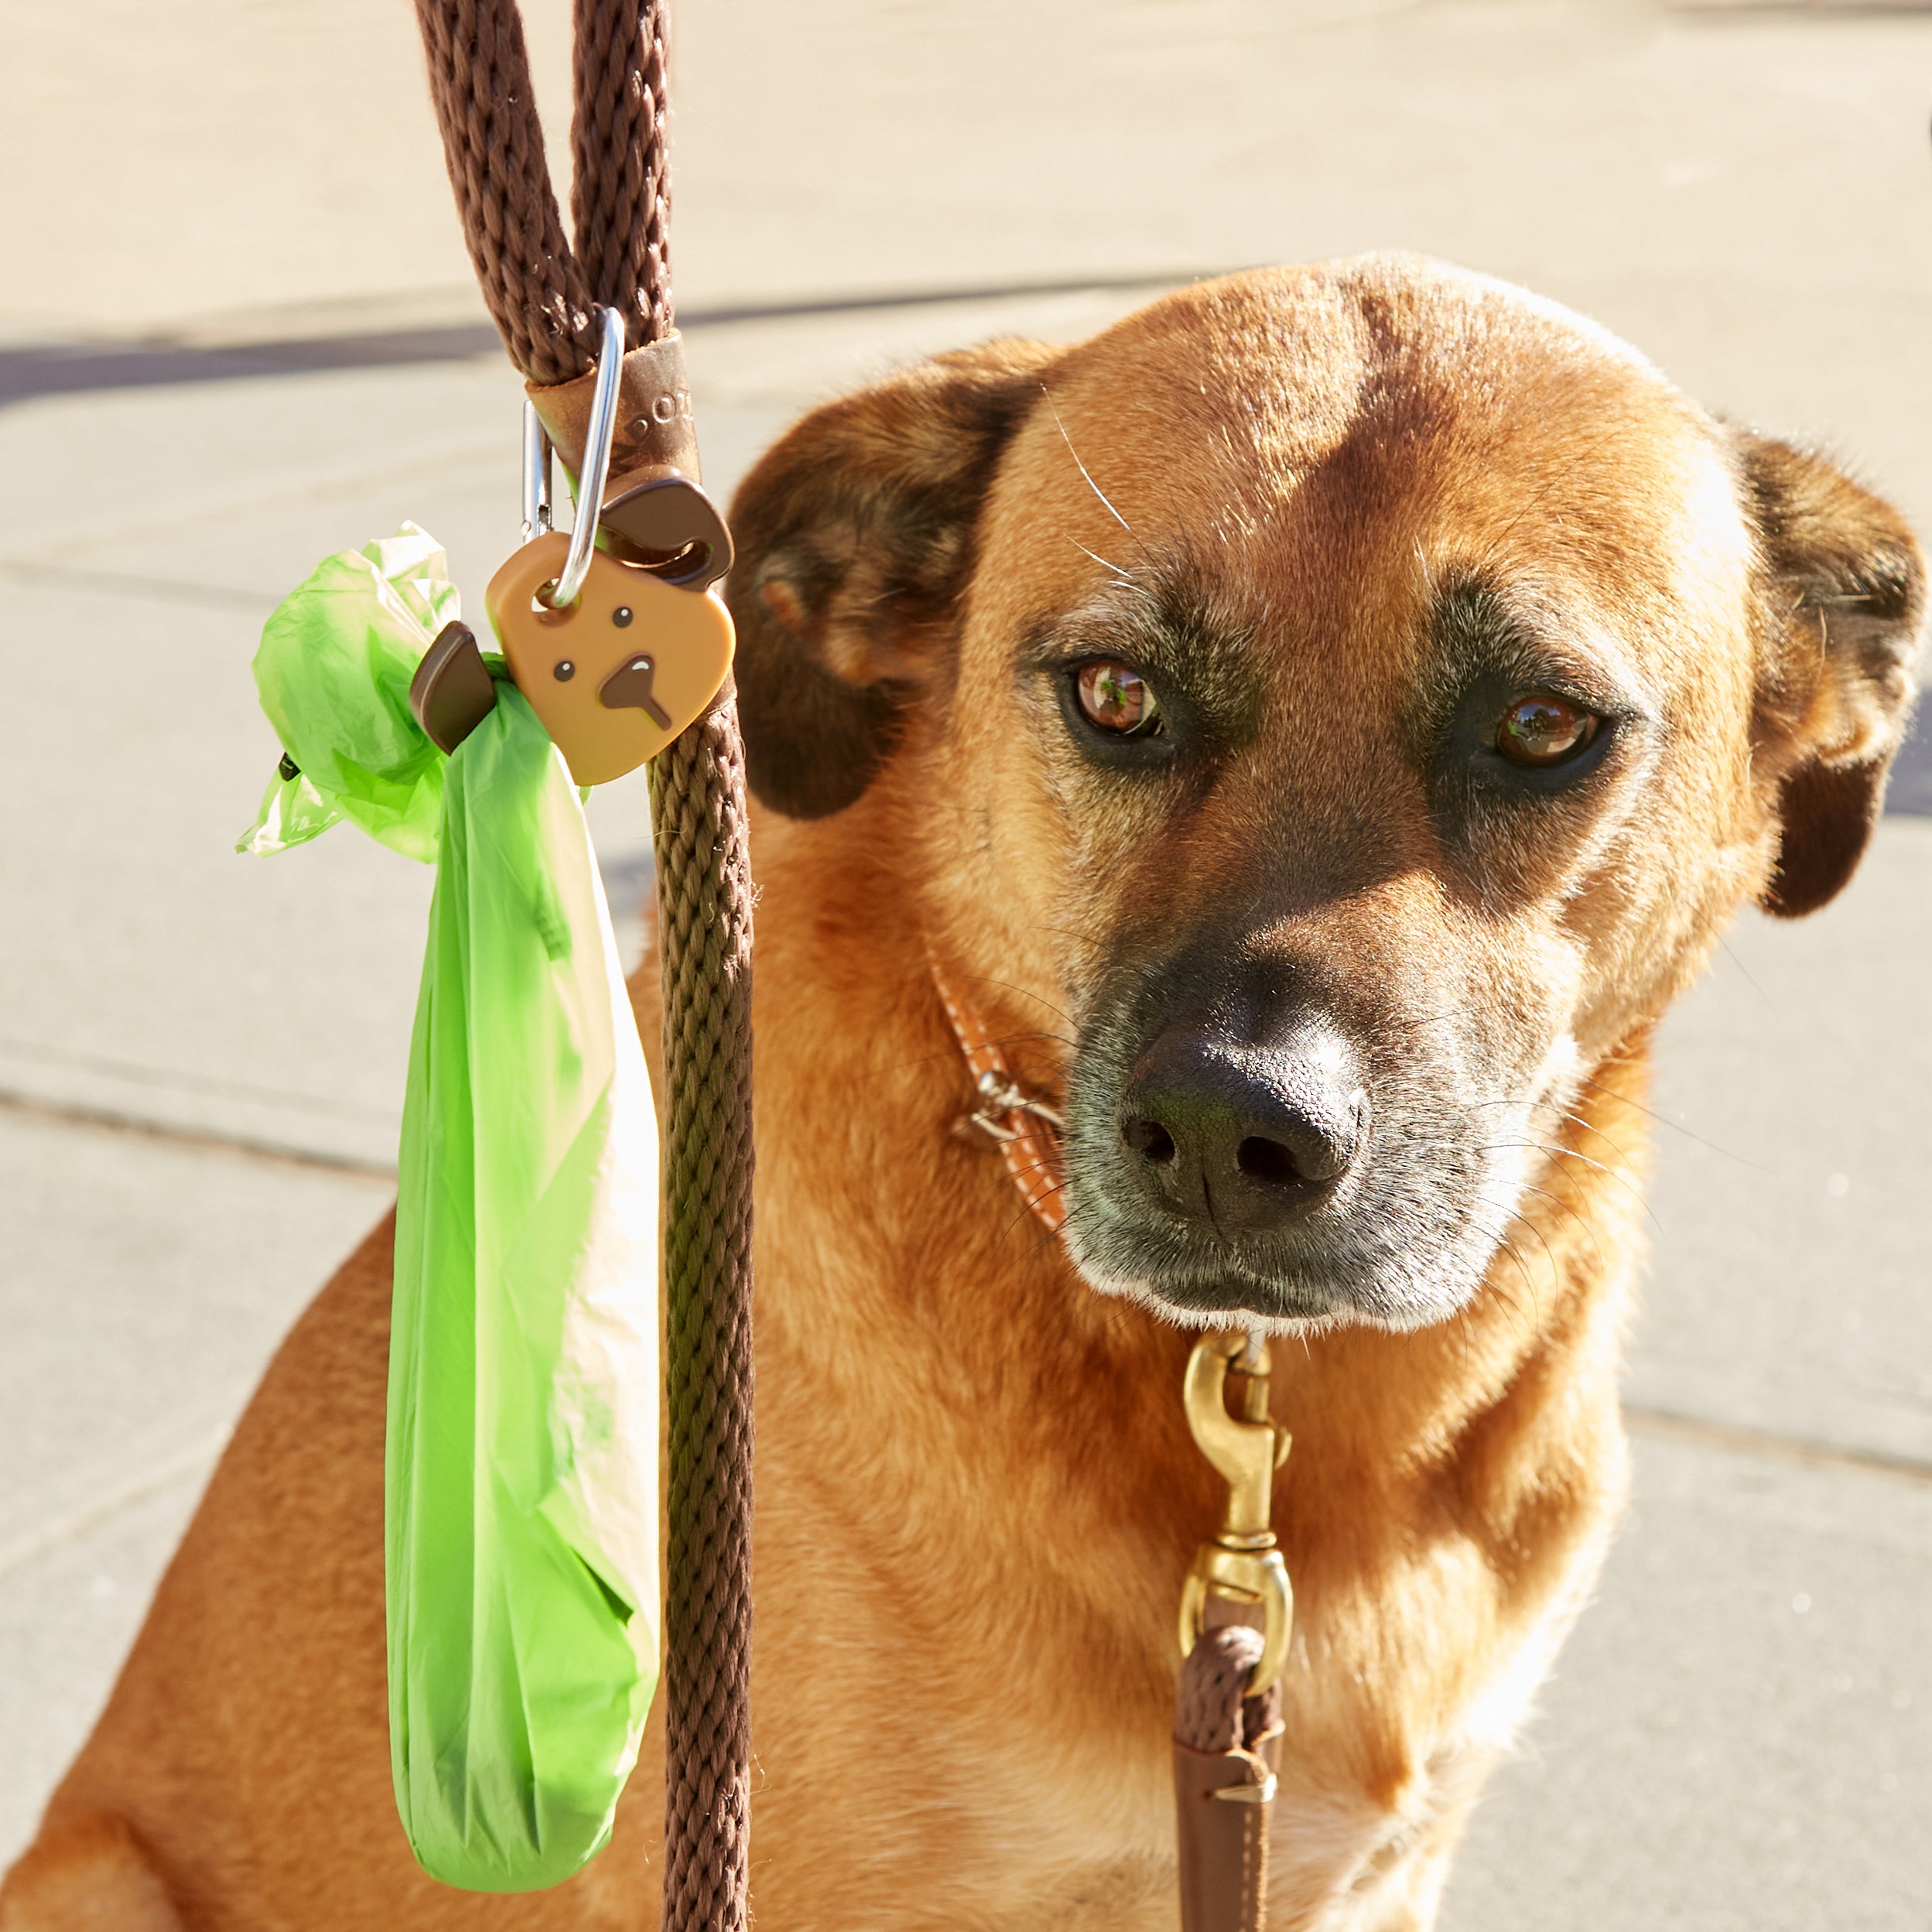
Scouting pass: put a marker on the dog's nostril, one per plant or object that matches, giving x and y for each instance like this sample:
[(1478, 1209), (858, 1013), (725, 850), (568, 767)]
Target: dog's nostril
[(1267, 1160), (1150, 1139)]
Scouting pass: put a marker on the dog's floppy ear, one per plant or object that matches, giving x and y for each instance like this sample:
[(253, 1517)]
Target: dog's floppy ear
[(855, 538), (1844, 590)]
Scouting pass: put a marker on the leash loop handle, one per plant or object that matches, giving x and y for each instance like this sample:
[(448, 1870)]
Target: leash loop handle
[(1241, 1562)]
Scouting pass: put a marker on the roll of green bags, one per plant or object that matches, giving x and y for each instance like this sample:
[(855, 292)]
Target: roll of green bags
[(522, 1456)]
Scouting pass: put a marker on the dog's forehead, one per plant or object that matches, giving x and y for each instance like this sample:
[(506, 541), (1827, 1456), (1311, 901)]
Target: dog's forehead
[(1333, 435)]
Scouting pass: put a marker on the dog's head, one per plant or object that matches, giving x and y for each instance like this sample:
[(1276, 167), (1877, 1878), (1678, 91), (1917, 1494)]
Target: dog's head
[(1355, 698)]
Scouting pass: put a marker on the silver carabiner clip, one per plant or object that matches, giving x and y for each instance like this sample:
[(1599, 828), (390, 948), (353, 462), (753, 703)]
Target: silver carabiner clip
[(596, 467), (536, 475)]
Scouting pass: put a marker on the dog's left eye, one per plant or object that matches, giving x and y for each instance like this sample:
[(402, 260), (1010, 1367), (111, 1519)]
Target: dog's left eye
[(1116, 698), (1544, 731)]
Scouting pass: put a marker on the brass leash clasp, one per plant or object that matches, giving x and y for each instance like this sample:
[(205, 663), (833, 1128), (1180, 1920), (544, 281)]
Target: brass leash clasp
[(1242, 1561)]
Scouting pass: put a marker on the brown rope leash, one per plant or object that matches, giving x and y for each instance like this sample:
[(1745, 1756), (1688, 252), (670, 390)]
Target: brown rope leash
[(620, 189), (543, 297), (704, 910), (493, 143)]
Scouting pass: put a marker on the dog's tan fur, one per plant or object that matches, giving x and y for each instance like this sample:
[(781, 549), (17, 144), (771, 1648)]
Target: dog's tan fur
[(977, 1496)]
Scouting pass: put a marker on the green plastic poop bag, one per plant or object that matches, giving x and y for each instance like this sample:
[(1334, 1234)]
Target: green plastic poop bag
[(521, 1471)]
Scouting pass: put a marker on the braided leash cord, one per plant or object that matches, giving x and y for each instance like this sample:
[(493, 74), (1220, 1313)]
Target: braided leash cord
[(542, 297), (620, 191), (493, 145), (704, 915), (1212, 1711)]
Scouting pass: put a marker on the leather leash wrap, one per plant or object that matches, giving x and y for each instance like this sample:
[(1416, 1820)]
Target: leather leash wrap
[(1227, 1750), (655, 431), (543, 297), (654, 444), (1026, 1130)]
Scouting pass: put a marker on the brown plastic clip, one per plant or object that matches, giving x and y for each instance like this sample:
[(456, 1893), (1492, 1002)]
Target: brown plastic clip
[(452, 691)]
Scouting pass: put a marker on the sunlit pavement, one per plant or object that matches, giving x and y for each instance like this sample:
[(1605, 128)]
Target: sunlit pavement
[(1738, 1736)]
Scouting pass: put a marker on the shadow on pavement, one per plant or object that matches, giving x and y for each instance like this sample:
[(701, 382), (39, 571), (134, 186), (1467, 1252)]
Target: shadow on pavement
[(67, 368), (1910, 791)]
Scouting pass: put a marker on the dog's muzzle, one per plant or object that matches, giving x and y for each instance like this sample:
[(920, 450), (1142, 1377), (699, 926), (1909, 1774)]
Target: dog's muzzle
[(1238, 1139)]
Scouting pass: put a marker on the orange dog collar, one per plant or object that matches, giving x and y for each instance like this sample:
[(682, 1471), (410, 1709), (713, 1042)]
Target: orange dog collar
[(1026, 1129)]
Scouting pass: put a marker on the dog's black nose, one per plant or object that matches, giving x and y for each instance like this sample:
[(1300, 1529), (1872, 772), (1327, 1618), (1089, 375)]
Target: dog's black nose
[(1245, 1138)]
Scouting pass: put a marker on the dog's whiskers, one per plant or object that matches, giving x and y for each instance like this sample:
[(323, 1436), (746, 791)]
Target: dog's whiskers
[(1125, 576), (1676, 1127), (1086, 475)]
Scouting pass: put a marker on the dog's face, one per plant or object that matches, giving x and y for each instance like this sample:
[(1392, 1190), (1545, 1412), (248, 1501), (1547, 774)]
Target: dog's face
[(1348, 701)]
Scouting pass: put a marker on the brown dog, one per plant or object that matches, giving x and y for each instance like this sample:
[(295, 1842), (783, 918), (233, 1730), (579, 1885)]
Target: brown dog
[(1319, 723)]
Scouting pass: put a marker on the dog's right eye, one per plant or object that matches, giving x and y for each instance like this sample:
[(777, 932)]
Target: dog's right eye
[(1542, 731), (1116, 699)]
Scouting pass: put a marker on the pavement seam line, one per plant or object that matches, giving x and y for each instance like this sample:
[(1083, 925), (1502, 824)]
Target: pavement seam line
[(78, 1522), (109, 1120), (1765, 1444), (114, 583), (1642, 1420), (182, 1080)]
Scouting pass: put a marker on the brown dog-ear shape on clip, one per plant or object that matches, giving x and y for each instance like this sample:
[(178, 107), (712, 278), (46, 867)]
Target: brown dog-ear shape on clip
[(1845, 604), (855, 538)]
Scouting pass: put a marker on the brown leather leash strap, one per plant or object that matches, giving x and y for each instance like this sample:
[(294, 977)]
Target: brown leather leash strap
[(1227, 1750), (543, 297)]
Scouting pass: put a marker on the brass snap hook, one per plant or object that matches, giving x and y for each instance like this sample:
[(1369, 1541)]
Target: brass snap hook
[(1241, 1562)]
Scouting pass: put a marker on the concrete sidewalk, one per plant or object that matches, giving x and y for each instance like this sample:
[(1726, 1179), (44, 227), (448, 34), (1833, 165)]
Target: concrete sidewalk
[(1738, 1735)]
